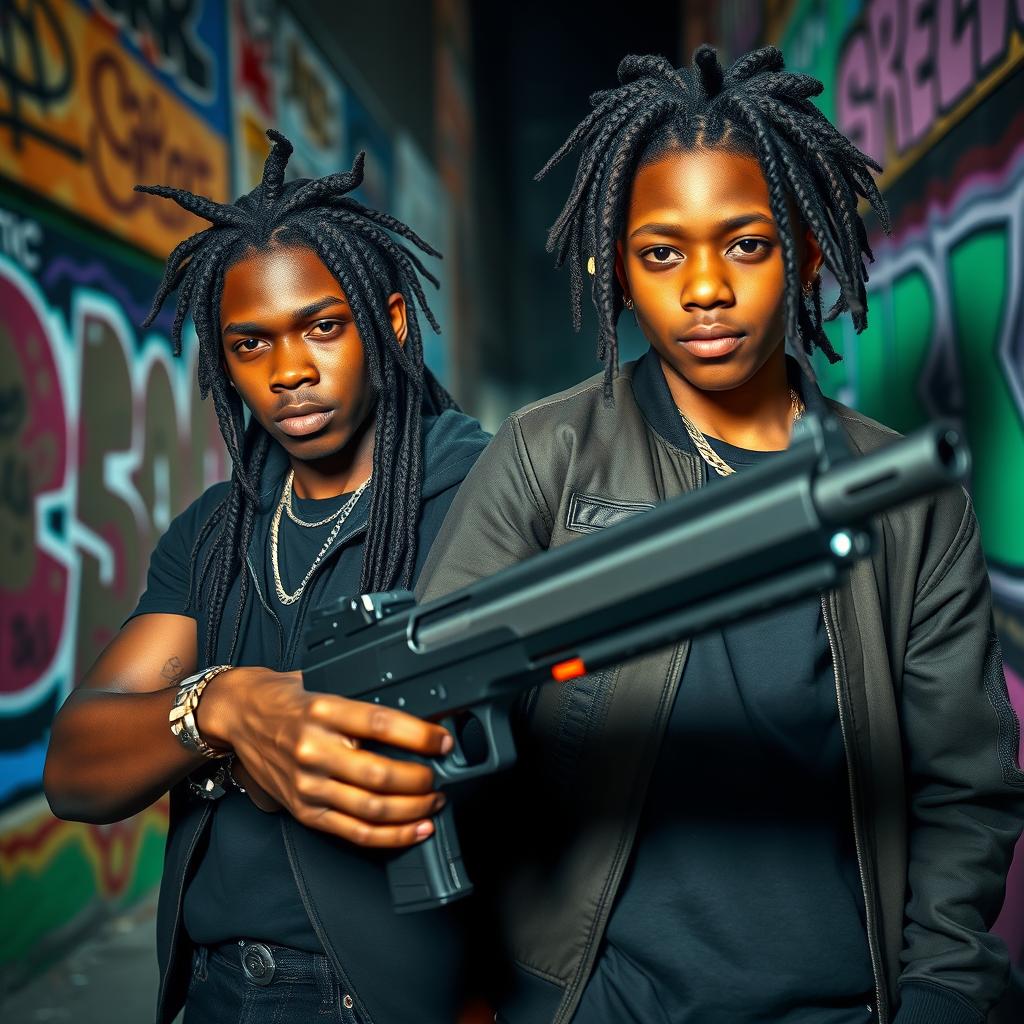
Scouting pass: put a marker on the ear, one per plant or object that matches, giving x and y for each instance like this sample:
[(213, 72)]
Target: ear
[(397, 313), (620, 271), (812, 259)]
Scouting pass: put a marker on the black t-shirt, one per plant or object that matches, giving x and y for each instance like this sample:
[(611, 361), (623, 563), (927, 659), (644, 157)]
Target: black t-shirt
[(244, 885), (742, 903), (241, 858)]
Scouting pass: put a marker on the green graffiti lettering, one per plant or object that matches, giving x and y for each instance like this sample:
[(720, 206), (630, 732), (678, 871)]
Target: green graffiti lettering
[(977, 274)]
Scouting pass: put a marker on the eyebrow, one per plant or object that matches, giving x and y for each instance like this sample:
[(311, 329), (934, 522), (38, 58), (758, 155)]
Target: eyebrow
[(724, 227), (304, 313)]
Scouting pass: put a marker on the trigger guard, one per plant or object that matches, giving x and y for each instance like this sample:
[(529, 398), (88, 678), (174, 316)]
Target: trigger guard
[(500, 748)]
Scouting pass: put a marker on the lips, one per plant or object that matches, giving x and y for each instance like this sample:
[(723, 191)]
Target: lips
[(301, 420), (713, 341)]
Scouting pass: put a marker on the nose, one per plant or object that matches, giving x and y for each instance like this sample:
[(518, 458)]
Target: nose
[(293, 365), (706, 284)]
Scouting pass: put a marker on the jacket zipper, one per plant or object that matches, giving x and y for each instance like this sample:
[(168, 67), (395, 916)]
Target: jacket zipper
[(285, 650), (296, 631), (881, 995), (314, 920), (270, 611), (177, 913)]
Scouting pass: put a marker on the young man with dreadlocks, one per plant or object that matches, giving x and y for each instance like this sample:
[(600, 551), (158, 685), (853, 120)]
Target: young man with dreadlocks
[(804, 817), (305, 310)]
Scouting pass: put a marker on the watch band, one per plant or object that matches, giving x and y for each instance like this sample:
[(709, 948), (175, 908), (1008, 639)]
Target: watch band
[(182, 716)]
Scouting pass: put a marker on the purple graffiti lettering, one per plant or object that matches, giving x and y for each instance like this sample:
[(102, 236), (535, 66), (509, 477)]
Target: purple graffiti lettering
[(992, 25), (32, 461), (910, 61), (98, 275), (856, 96), (886, 25), (918, 61), (954, 51)]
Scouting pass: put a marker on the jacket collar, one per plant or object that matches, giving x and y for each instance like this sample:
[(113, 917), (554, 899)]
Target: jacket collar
[(650, 389)]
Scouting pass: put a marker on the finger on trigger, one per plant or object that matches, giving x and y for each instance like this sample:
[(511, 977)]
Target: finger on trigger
[(387, 725)]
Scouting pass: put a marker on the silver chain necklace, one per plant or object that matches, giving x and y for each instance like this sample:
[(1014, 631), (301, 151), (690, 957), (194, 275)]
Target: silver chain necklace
[(275, 525), (289, 511), (709, 455)]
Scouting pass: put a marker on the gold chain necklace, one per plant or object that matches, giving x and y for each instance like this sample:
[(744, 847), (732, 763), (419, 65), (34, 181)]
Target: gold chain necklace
[(709, 455), (275, 525)]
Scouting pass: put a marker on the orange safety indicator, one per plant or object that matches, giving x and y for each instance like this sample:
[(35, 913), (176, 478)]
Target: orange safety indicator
[(566, 670)]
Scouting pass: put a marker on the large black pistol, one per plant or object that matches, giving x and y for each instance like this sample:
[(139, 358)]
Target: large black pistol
[(784, 529)]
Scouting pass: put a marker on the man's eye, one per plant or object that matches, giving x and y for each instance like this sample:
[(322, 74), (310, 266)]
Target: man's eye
[(661, 254), (326, 326), (248, 345), (751, 246)]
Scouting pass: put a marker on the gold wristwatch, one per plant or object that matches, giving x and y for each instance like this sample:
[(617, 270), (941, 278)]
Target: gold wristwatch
[(182, 716)]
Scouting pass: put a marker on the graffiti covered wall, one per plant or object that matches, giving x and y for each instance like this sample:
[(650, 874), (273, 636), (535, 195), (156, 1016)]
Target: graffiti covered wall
[(95, 97), (103, 438), (935, 93)]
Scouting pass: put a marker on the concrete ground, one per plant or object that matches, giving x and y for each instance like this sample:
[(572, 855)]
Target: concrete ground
[(111, 978)]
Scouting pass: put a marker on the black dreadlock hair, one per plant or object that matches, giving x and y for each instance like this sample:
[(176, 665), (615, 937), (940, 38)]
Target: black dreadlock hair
[(354, 244), (754, 108)]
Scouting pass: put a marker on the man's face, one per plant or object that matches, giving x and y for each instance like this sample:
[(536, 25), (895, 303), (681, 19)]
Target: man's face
[(702, 261), (292, 350)]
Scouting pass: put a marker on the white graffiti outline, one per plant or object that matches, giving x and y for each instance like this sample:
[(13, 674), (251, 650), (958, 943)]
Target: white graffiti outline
[(78, 540), (119, 467), (926, 249)]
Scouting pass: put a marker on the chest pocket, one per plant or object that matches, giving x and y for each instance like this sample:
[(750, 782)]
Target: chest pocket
[(588, 513)]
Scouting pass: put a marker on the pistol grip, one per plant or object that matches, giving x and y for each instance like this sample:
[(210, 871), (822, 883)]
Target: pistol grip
[(430, 874)]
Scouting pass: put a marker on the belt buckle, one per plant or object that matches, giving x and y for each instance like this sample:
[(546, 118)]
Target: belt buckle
[(258, 963)]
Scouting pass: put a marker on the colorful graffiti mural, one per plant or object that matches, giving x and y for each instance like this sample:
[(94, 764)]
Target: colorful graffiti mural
[(102, 435), (252, 88), (102, 439), (935, 93), (97, 97)]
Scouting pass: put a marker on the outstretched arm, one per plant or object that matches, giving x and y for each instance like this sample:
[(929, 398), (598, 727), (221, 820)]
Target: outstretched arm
[(112, 752)]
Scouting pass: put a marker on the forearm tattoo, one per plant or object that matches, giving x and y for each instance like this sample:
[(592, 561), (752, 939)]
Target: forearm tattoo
[(173, 670)]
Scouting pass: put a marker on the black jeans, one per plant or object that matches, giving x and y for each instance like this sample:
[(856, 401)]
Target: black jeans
[(237, 984)]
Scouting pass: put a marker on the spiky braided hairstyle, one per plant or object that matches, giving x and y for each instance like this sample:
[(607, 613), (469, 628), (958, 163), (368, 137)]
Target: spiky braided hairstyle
[(354, 244), (755, 108)]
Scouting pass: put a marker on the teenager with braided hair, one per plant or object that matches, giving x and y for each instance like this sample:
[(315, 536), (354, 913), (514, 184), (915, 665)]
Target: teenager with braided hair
[(806, 816), (305, 304)]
